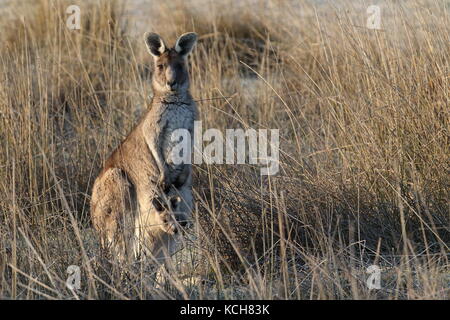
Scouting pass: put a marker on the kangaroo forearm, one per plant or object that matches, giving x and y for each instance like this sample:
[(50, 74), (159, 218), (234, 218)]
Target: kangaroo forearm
[(157, 155), (152, 138)]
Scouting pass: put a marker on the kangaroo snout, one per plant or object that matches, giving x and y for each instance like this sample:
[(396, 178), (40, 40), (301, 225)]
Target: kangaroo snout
[(172, 229), (171, 85)]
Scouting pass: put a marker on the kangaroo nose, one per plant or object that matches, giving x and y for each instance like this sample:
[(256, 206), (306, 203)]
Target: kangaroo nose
[(171, 84)]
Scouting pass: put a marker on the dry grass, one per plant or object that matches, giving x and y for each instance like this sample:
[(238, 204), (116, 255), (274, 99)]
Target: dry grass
[(364, 161)]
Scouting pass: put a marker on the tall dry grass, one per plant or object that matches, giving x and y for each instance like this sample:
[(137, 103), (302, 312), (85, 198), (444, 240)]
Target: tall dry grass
[(364, 125)]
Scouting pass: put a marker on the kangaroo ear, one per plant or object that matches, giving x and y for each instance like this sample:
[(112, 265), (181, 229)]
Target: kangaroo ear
[(158, 204), (155, 44), (186, 43)]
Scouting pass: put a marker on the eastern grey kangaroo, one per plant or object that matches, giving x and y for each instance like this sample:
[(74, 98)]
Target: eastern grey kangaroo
[(142, 197)]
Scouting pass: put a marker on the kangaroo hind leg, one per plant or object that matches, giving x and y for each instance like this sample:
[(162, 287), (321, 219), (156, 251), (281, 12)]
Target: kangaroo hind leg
[(112, 211)]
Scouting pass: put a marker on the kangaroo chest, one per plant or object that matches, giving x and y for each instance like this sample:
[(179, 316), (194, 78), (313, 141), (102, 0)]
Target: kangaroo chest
[(180, 116)]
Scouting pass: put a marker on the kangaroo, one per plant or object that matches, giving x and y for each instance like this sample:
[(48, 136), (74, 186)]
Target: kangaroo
[(126, 207), (115, 215), (172, 106)]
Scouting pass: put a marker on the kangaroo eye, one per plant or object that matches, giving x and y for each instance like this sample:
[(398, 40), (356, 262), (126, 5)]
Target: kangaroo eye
[(160, 66)]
